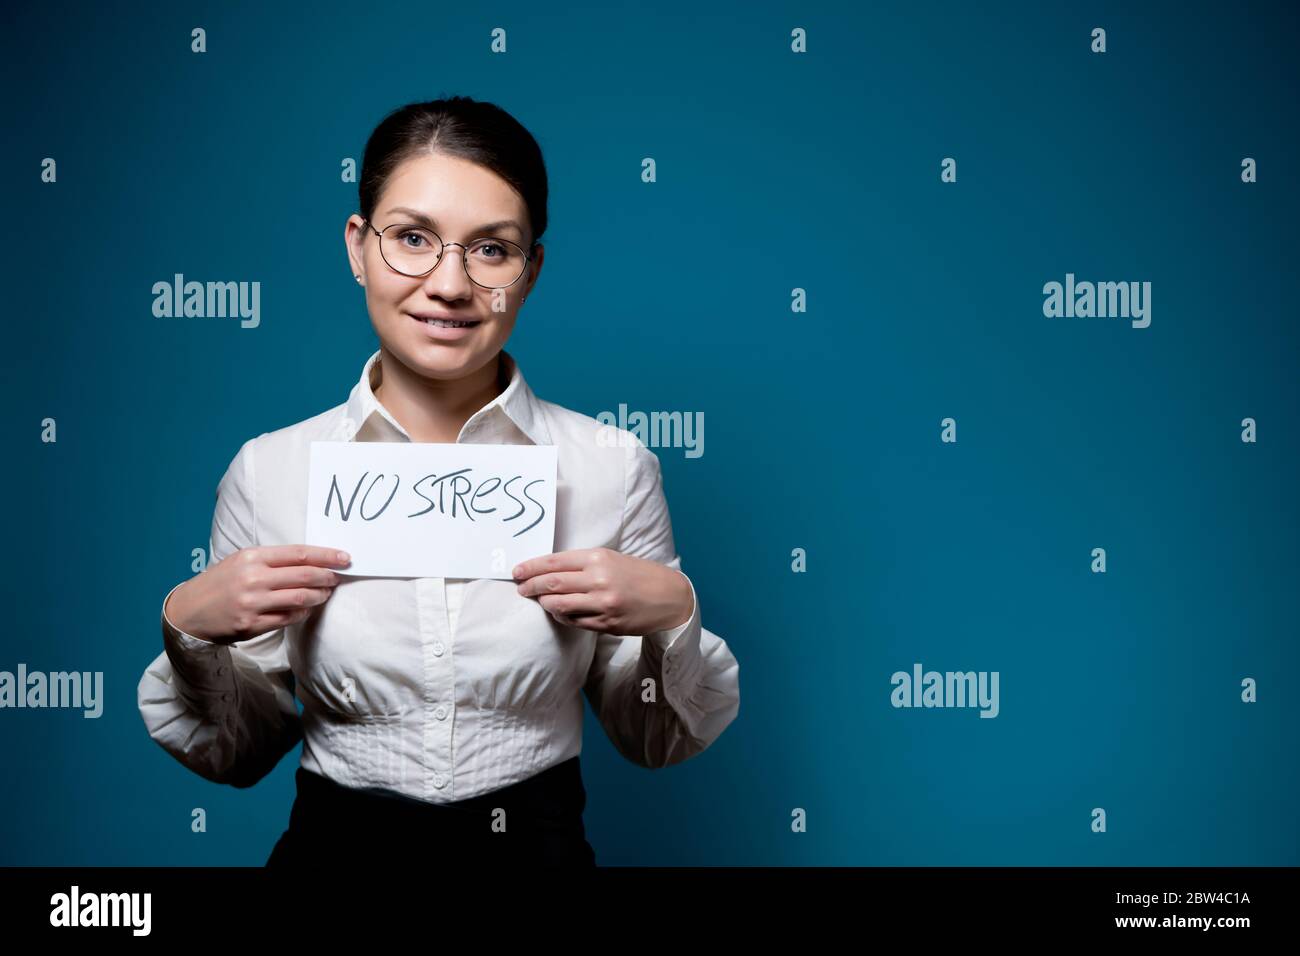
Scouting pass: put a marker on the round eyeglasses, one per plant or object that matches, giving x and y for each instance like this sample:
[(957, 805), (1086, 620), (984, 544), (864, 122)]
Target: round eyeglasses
[(415, 251)]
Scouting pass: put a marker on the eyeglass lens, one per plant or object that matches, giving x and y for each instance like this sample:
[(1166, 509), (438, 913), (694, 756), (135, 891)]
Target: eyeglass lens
[(414, 251)]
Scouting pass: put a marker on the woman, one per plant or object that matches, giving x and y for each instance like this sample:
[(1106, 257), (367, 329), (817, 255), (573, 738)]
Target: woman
[(440, 714)]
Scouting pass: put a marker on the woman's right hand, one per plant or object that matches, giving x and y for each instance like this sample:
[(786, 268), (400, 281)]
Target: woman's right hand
[(255, 590)]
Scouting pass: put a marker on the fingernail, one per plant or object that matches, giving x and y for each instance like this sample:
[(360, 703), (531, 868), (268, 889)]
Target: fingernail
[(345, 557)]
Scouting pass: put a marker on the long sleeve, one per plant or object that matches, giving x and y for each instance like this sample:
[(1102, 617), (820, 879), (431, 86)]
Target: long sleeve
[(665, 696), (226, 711)]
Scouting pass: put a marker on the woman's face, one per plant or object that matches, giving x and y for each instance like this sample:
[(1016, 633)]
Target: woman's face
[(459, 196)]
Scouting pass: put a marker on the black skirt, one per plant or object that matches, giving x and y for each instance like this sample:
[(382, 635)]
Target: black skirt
[(536, 822)]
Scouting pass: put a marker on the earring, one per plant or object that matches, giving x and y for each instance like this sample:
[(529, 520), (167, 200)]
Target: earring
[(358, 278)]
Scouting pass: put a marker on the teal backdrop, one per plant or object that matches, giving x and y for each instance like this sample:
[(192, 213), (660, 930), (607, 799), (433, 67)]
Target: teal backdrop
[(776, 171)]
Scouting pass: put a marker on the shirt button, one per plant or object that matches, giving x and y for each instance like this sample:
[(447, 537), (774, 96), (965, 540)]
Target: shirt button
[(220, 671), (439, 781), (438, 648), (225, 697), (441, 712)]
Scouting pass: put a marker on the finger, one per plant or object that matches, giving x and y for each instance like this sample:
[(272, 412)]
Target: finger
[(291, 599), (284, 618), (555, 582), (298, 576), (280, 555), (571, 605), (278, 619), (574, 560), (592, 621)]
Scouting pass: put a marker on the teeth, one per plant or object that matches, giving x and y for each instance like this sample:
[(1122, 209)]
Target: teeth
[(447, 324)]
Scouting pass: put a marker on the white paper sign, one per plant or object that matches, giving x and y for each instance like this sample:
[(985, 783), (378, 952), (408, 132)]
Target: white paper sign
[(429, 509)]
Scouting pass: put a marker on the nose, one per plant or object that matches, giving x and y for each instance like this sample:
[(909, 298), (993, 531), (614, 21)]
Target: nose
[(451, 282)]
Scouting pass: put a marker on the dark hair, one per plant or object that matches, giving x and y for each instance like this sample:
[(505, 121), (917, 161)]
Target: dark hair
[(481, 132)]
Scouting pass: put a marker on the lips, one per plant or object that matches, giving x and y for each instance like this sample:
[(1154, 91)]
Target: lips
[(446, 321)]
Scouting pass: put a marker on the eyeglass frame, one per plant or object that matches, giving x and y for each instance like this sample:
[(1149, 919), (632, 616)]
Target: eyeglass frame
[(464, 258)]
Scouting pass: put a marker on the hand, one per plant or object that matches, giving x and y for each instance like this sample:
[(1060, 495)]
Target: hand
[(599, 589), (255, 590)]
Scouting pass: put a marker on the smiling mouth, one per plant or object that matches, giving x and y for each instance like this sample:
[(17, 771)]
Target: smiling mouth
[(449, 323)]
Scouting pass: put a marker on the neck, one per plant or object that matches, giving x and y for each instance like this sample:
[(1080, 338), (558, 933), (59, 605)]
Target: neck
[(435, 410)]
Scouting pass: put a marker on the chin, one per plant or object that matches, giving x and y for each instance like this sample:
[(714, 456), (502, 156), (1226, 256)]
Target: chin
[(433, 357), (441, 357)]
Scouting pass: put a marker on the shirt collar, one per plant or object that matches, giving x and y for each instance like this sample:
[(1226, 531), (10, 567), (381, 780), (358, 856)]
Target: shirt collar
[(513, 417)]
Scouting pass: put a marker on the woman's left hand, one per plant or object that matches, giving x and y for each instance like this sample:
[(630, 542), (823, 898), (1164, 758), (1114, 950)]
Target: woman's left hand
[(600, 589)]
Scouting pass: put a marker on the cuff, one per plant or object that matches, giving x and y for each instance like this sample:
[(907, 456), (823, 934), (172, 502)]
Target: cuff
[(678, 650), (202, 672)]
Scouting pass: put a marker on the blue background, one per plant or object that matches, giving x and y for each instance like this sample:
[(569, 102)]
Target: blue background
[(775, 171)]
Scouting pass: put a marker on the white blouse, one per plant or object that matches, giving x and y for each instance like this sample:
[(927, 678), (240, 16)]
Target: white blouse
[(441, 689)]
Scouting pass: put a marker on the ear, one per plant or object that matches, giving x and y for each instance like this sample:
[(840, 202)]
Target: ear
[(354, 238), (534, 269)]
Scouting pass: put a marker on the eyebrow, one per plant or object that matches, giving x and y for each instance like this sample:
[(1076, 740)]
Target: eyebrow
[(487, 227)]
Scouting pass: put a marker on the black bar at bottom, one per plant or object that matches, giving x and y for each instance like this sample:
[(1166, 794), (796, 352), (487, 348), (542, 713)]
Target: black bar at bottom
[(214, 905)]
